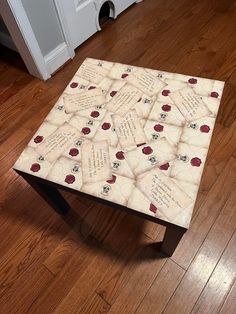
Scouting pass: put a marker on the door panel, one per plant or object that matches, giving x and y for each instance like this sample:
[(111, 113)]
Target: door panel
[(81, 19)]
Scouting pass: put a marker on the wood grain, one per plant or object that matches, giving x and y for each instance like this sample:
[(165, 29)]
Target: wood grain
[(222, 279), (162, 289), (98, 260), (205, 260), (229, 305)]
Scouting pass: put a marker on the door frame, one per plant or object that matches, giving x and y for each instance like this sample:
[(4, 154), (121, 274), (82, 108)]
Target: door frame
[(17, 22)]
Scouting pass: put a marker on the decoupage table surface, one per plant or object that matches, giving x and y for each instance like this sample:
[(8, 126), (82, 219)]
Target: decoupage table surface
[(132, 136)]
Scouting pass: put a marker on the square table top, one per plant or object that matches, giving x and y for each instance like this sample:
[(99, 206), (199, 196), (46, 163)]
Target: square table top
[(133, 136)]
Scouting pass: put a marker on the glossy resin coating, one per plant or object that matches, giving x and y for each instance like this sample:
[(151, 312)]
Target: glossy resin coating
[(133, 136)]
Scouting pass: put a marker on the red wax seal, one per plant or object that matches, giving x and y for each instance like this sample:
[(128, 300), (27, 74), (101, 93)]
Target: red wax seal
[(73, 152), (106, 126), (86, 130), (166, 108), (113, 93), (35, 167), (153, 208), (147, 150), (192, 81), (112, 180), (94, 114), (165, 92), (165, 166), (91, 87), (158, 128), (120, 155), (205, 128), (38, 139), (74, 85), (124, 75), (70, 179), (196, 162), (214, 94)]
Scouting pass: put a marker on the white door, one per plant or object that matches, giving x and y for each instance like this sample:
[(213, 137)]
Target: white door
[(80, 18)]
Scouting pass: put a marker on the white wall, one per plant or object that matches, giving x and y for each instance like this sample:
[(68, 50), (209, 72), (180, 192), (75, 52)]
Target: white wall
[(45, 24)]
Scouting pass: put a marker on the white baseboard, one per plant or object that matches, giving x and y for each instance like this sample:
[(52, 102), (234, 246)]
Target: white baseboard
[(57, 57), (7, 41)]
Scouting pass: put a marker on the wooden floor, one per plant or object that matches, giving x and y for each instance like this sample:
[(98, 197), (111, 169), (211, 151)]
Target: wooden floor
[(99, 260)]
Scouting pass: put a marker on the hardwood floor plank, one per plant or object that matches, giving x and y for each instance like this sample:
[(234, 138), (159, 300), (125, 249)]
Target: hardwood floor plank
[(55, 292), (142, 276), (220, 282), (95, 305), (34, 282), (162, 289), (206, 216), (205, 261), (129, 248), (218, 158), (72, 303), (206, 56), (32, 247), (85, 258), (229, 305)]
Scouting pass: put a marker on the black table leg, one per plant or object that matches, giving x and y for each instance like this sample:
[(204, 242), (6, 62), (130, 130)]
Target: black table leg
[(171, 239), (49, 193)]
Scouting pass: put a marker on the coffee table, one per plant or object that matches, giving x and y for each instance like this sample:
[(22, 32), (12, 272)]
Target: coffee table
[(133, 138)]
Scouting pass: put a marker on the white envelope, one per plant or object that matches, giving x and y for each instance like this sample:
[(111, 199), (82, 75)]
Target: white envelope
[(212, 103), (190, 104), (150, 155), (32, 163), (118, 161), (106, 131), (120, 71), (116, 190), (157, 130), (87, 127), (139, 202), (124, 100), (189, 164), (129, 130), (203, 87), (146, 82), (85, 100), (74, 151), (58, 115), (42, 133), (198, 132), (164, 193), (92, 72), (115, 87), (66, 172), (167, 113), (95, 113), (57, 142), (95, 161), (188, 188), (101, 63), (105, 84), (144, 106), (172, 86), (76, 85)]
